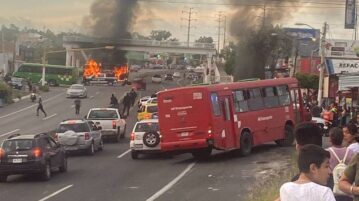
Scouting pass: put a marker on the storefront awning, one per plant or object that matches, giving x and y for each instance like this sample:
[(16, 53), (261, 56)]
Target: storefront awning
[(348, 82)]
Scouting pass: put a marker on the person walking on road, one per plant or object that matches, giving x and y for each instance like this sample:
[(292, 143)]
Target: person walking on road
[(77, 106), (133, 95), (126, 104), (40, 107), (114, 101)]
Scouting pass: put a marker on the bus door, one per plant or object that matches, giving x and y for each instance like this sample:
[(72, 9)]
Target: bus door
[(226, 124)]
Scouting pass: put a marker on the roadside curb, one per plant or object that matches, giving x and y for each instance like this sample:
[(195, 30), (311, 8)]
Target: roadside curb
[(18, 99)]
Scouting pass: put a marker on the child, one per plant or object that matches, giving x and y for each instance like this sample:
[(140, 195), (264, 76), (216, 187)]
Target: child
[(313, 164)]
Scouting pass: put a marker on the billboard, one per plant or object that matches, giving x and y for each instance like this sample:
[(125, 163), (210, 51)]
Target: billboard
[(350, 19), (338, 48)]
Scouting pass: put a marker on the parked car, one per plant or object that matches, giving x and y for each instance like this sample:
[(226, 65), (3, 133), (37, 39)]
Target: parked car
[(79, 135), (145, 112), (177, 74), (169, 77), (31, 154), (145, 138), (18, 83), (76, 90), (157, 78), (110, 120)]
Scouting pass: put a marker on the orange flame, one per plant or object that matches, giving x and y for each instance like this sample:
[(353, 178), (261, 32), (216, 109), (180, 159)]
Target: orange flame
[(121, 72), (92, 68)]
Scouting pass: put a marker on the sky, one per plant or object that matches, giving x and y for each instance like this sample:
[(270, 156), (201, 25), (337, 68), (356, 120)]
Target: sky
[(68, 15)]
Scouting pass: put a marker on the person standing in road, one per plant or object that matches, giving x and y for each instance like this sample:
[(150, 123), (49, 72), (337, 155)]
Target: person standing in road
[(77, 106), (40, 107), (114, 101), (126, 104), (133, 96)]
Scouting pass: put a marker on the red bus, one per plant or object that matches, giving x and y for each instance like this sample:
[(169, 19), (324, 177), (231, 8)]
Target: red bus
[(229, 116)]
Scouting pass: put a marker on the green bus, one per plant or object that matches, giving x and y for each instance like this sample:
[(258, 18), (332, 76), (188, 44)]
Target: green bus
[(55, 75)]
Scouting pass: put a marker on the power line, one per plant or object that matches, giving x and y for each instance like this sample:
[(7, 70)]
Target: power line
[(189, 19)]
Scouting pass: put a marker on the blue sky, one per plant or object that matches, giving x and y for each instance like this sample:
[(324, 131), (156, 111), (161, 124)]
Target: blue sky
[(67, 15)]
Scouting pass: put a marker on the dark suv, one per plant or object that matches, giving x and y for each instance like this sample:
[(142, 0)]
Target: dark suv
[(31, 154)]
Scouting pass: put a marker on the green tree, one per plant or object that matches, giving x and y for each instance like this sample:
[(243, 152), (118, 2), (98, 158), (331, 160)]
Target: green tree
[(160, 35), (308, 81), (204, 39)]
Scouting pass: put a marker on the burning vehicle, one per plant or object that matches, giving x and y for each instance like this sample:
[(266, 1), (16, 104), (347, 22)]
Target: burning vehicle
[(94, 74)]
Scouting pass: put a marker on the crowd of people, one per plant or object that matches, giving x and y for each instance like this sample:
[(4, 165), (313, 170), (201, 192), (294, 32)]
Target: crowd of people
[(127, 102), (330, 174)]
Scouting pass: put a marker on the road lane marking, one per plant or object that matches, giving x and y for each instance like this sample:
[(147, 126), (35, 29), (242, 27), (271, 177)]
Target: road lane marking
[(172, 183), (8, 133), (55, 193), (23, 109), (91, 97), (49, 116), (120, 156), (72, 106)]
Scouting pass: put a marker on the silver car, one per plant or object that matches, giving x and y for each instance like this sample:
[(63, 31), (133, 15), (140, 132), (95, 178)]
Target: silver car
[(79, 135), (76, 90)]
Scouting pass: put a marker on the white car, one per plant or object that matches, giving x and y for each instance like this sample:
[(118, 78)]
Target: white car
[(177, 74), (145, 138), (151, 100), (76, 90), (143, 100), (156, 78), (110, 120)]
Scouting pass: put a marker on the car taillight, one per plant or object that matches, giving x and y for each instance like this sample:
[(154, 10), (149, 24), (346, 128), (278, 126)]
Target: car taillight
[(210, 134), (114, 124), (132, 137), (2, 154), (147, 116), (37, 152), (87, 136)]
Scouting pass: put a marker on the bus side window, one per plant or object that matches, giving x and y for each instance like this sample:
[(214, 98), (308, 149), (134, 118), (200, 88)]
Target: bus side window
[(215, 104), (255, 101), (271, 98), (283, 94), (240, 101)]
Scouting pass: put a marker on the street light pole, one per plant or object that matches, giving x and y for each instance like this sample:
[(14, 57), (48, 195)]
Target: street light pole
[(43, 67), (322, 64)]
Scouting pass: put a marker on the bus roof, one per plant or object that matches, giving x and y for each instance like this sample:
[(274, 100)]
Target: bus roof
[(47, 65), (247, 84)]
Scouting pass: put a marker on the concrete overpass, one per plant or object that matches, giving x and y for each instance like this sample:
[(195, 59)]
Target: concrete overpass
[(75, 44)]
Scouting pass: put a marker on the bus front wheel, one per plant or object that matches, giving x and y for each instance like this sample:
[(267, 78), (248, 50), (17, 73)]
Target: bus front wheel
[(245, 143), (288, 136)]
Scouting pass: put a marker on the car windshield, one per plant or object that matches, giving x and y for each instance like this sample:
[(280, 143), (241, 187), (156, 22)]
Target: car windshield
[(146, 127), (81, 127), (152, 109), (103, 114), (17, 145), (76, 87)]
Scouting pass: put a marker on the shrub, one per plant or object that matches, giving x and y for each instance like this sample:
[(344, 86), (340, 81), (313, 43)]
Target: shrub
[(44, 88), (5, 92)]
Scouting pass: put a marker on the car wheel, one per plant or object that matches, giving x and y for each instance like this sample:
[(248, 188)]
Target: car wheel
[(101, 145), (151, 139), (202, 153), (63, 167), (46, 174), (245, 143), (134, 154), (91, 150), (288, 137), (3, 178)]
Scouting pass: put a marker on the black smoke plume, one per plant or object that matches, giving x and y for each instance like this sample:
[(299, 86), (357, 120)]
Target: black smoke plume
[(251, 25), (113, 20)]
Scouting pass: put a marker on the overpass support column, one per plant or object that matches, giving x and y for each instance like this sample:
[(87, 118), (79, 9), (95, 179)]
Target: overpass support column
[(68, 57), (73, 60)]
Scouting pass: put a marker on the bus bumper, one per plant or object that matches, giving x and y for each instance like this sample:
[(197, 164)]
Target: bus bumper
[(185, 145)]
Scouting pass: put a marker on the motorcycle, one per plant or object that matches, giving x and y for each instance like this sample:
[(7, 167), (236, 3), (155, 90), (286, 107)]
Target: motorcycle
[(324, 125), (33, 97)]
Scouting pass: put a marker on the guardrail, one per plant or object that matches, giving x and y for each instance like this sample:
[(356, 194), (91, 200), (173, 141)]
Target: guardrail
[(150, 43)]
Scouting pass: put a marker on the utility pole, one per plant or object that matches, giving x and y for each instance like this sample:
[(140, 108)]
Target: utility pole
[(189, 20), (3, 51), (224, 31), (322, 64), (220, 15)]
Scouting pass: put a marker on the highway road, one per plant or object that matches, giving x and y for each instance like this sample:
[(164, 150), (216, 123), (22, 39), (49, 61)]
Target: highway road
[(112, 175)]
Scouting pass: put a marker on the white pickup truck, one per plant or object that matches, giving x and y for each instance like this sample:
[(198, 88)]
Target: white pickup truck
[(110, 121)]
